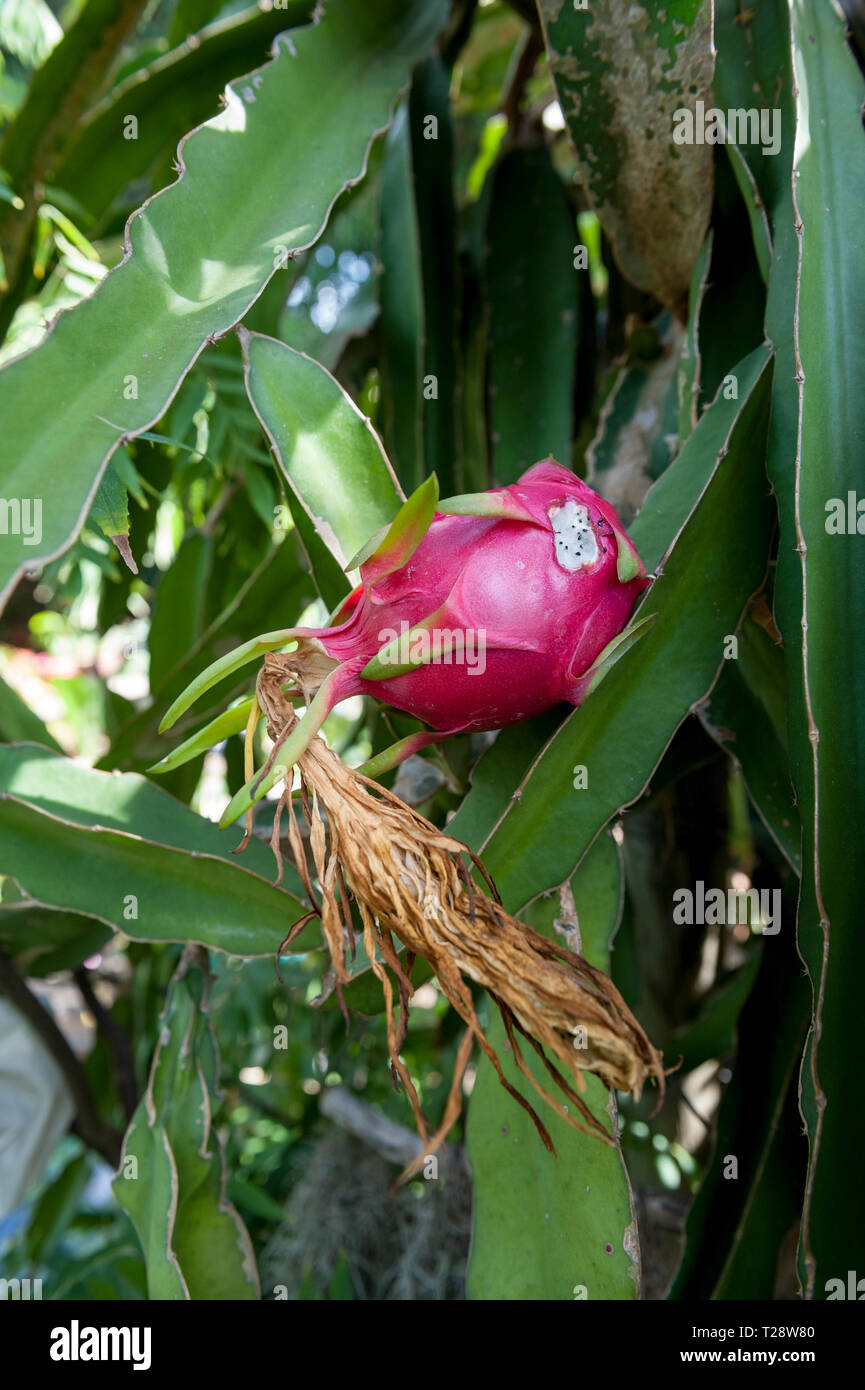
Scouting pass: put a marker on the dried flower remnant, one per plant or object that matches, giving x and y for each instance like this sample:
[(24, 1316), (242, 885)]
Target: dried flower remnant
[(544, 570), (412, 886)]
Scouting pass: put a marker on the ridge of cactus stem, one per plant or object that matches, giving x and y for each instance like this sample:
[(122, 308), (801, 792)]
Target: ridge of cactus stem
[(390, 551)]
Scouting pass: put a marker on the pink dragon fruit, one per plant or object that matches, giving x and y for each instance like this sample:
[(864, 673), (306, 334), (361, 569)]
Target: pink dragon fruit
[(472, 613), (495, 617)]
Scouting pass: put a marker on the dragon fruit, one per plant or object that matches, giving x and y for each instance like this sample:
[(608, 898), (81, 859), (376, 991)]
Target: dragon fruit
[(471, 614), (495, 617)]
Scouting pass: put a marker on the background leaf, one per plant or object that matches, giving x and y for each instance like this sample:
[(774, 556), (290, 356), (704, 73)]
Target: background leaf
[(152, 317), (402, 308), (818, 428), (532, 356), (121, 850), (544, 1227), (167, 97), (330, 456), (619, 87), (172, 1172)]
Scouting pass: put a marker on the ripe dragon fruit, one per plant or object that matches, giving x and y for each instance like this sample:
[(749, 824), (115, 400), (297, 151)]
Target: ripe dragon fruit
[(471, 614)]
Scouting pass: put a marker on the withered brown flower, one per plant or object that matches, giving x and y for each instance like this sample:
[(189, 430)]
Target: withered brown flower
[(412, 885)]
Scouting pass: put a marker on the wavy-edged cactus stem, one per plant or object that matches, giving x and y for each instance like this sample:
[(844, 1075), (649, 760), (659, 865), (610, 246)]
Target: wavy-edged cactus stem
[(411, 881)]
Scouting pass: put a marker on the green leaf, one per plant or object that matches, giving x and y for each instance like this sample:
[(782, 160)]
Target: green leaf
[(620, 86), (55, 1209), (325, 570), (172, 1173), (329, 453), (473, 469), (319, 326), (109, 367), (712, 507), (761, 660), (190, 16), (130, 476), (255, 1200), (109, 510), (42, 941), (532, 290), (166, 97), (341, 1288), (731, 310), (402, 308), (816, 308), (18, 722), (222, 667), (118, 849), (544, 1227), (735, 718), (58, 94), (62, 88), (241, 609), (689, 361), (151, 1204), (231, 721), (670, 502), (617, 646), (498, 776), (115, 1271), (712, 1034), (757, 215), (744, 1209), (179, 608), (432, 166), (752, 71), (29, 30)]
